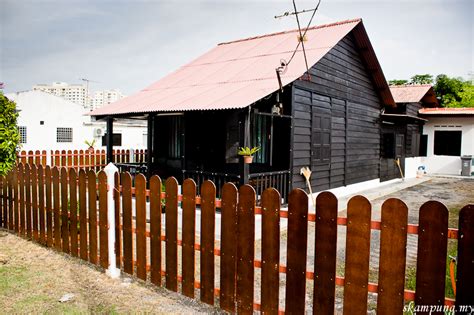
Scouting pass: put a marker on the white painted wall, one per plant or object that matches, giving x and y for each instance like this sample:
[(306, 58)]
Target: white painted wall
[(54, 111), (451, 165)]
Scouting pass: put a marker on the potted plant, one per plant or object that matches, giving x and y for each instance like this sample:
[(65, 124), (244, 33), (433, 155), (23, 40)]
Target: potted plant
[(248, 153), (90, 144)]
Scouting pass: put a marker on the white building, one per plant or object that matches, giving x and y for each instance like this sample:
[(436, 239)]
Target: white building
[(48, 122), (105, 97), (72, 92), (449, 134)]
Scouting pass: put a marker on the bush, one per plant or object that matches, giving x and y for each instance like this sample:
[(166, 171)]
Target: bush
[(9, 135)]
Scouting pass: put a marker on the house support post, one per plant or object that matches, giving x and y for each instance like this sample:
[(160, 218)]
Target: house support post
[(149, 144), (112, 270), (110, 139), (244, 141)]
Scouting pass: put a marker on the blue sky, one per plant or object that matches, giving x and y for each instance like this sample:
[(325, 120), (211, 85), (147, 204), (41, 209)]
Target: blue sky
[(130, 44)]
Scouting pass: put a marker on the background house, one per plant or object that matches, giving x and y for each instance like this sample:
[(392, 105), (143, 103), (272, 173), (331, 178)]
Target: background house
[(49, 122), (449, 134), (402, 130)]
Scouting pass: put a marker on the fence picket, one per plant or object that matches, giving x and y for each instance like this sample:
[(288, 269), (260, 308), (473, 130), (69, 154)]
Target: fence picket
[(140, 221), (5, 201), (41, 205), (465, 268), (228, 247), (103, 223), (75, 162), (431, 256), (92, 191), (2, 218), (357, 255), (296, 251), (245, 249), (81, 159), (69, 159), (57, 209), (270, 250), (31, 160), (21, 201), (49, 207), (393, 242), (64, 210), (155, 229), (325, 254), (83, 235), (208, 212), (63, 158), (25, 215), (74, 210), (189, 231), (13, 207), (171, 234), (118, 233), (34, 201), (126, 180)]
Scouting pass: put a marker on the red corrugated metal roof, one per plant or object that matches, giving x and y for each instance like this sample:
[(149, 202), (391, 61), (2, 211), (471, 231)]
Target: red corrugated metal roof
[(234, 74), (447, 111), (409, 93)]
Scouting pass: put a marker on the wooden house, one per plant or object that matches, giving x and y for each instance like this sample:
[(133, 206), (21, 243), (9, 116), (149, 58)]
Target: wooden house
[(252, 92)]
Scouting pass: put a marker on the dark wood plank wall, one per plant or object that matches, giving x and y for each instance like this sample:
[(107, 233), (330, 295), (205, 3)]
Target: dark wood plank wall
[(341, 83)]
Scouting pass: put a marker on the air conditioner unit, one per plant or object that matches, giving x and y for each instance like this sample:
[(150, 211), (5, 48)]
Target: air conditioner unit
[(98, 132)]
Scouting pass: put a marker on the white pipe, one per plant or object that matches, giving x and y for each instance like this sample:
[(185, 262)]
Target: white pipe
[(110, 170)]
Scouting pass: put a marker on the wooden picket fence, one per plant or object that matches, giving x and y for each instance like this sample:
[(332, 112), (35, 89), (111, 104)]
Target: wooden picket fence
[(67, 210), (78, 159)]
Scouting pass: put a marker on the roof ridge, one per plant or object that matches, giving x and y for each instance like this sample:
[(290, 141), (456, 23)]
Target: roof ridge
[(291, 31)]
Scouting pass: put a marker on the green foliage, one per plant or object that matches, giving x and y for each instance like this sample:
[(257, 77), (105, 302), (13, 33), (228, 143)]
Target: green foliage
[(9, 135), (246, 151), (398, 82), (421, 79), (90, 143), (454, 92)]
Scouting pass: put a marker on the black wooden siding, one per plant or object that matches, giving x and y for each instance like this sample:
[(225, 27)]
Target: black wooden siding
[(340, 85)]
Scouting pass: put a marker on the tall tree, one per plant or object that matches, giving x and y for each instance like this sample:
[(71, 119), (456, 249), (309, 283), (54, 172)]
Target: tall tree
[(9, 136), (454, 92), (398, 82), (421, 79)]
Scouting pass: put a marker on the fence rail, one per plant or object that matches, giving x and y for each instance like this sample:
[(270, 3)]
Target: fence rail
[(67, 210), (87, 159)]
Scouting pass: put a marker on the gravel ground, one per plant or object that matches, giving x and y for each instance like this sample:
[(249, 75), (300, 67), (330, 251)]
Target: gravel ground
[(34, 278)]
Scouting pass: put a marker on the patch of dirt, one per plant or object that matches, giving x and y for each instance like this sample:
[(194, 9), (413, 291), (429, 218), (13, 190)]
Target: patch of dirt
[(34, 278)]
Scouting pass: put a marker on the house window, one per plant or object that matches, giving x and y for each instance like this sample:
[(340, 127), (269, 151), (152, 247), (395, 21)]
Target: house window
[(22, 131), (447, 143), (388, 146), (116, 139), (261, 138), (63, 134)]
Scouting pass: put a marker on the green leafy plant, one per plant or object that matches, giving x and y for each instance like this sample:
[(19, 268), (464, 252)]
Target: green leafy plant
[(246, 151), (9, 134), (90, 144)]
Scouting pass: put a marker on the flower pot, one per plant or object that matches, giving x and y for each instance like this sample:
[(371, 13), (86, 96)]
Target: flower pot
[(248, 159)]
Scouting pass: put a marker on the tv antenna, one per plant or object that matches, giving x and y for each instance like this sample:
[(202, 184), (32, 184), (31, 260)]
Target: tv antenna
[(86, 101)]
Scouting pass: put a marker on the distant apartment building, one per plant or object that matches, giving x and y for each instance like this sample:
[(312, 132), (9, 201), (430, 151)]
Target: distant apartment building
[(105, 97), (75, 93)]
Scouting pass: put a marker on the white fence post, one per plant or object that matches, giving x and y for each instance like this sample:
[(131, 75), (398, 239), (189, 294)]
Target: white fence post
[(110, 170)]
